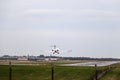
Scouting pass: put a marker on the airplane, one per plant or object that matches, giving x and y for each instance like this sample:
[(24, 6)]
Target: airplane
[(55, 50)]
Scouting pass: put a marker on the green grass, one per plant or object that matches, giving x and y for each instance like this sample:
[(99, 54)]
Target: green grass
[(3, 72), (44, 73), (113, 74)]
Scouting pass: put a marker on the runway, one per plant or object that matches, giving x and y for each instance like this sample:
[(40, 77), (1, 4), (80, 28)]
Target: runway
[(99, 63)]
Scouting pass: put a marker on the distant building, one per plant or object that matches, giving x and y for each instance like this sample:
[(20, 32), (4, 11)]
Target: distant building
[(5, 56), (41, 58), (52, 59), (22, 59), (32, 58)]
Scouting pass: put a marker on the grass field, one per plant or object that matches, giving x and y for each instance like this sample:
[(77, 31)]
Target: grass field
[(42, 71), (113, 74)]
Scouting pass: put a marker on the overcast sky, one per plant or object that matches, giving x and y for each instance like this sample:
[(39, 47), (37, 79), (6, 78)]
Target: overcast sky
[(90, 28)]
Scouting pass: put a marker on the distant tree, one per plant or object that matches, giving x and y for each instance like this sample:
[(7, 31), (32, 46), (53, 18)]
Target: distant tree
[(41, 56)]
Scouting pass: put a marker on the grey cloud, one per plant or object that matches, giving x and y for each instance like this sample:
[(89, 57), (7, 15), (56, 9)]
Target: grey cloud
[(89, 27), (81, 12)]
